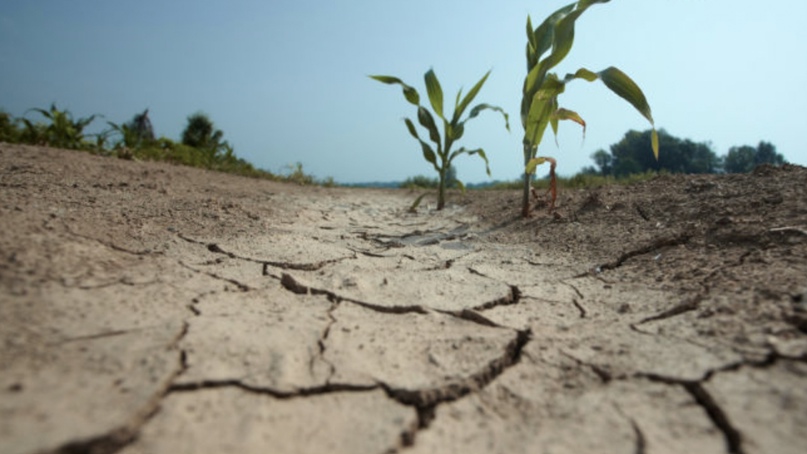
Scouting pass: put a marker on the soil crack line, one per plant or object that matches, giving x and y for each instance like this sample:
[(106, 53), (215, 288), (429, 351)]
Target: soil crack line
[(291, 284), (425, 401), (673, 241), (732, 436), (576, 290), (321, 342), (118, 438), (717, 415), (301, 392), (112, 246), (314, 266), (604, 375), (241, 286), (641, 440), (513, 298), (123, 280), (580, 308), (99, 335), (682, 308), (472, 316)]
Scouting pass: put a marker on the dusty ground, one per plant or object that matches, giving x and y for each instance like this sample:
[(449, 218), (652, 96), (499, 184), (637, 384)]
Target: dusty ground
[(148, 308)]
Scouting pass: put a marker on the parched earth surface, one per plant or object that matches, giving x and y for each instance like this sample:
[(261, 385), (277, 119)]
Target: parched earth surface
[(148, 308)]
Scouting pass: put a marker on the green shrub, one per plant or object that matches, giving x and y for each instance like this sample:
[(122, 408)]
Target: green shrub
[(9, 128), (62, 131)]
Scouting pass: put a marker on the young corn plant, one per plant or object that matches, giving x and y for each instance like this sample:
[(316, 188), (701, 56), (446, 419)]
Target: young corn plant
[(441, 155), (548, 45)]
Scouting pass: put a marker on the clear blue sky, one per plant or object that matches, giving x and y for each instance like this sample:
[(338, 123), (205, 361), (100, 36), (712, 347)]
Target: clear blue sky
[(286, 79)]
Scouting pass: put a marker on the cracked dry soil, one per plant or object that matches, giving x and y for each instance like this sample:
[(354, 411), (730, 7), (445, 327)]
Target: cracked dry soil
[(148, 308)]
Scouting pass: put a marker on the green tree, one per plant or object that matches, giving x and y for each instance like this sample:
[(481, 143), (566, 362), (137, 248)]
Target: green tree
[(629, 155), (745, 158), (539, 105), (604, 161), (420, 182), (452, 181), (766, 154), (141, 126), (135, 134), (201, 134), (441, 156)]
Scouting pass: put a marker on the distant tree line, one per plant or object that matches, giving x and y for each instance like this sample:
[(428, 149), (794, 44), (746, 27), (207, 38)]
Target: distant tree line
[(630, 156), (424, 182), (202, 145)]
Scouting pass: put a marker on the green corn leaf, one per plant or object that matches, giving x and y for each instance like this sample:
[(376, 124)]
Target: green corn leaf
[(544, 33), (547, 37), (435, 92), (427, 121), (537, 119), (411, 127), (428, 152), (621, 84), (561, 26), (553, 122), (541, 106), (532, 42), (410, 93), (532, 59), (429, 155), (533, 163), (414, 207), (588, 3), (480, 107), (566, 114), (533, 80), (478, 151), (482, 155), (456, 131), (469, 98), (582, 73), (627, 89), (563, 38)]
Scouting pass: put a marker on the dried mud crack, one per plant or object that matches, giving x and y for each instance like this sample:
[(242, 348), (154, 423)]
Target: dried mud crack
[(149, 308), (718, 416), (427, 400)]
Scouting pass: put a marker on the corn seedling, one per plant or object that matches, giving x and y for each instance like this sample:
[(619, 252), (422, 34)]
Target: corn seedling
[(539, 105), (440, 156)]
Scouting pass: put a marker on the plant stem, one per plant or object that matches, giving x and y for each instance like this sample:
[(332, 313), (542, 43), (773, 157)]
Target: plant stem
[(525, 199), (441, 189)]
